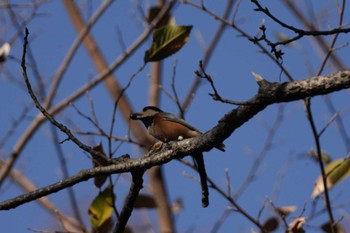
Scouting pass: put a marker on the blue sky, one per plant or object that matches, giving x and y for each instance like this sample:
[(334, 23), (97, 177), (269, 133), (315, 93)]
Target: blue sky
[(285, 175)]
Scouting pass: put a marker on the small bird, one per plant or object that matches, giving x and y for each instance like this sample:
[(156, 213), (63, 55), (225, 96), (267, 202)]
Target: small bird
[(167, 127)]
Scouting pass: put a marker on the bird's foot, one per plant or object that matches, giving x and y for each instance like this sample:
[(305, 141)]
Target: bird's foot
[(155, 147)]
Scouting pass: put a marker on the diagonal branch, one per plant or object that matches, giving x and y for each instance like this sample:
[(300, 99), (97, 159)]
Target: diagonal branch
[(60, 126)]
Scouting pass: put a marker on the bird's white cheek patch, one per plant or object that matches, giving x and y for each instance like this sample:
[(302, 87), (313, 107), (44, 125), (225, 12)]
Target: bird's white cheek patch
[(180, 138)]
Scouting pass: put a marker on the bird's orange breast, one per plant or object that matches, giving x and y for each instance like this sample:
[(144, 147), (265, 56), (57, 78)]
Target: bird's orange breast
[(166, 131)]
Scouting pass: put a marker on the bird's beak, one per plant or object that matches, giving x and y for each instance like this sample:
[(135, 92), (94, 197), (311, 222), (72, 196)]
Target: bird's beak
[(136, 116)]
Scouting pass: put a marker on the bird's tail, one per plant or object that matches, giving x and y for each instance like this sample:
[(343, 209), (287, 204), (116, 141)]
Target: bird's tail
[(199, 160)]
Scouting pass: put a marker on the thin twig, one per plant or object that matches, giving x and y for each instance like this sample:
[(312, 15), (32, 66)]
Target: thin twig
[(216, 96), (298, 31), (319, 154), (210, 49), (229, 198), (48, 116), (116, 106), (173, 88), (63, 164), (263, 153)]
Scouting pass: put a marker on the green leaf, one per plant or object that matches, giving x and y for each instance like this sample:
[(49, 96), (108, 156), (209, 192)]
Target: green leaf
[(167, 40), (101, 208), (336, 171)]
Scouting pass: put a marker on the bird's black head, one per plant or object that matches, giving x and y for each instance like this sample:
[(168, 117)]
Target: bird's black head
[(147, 115)]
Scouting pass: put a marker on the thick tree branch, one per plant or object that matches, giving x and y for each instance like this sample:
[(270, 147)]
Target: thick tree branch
[(136, 186), (268, 94)]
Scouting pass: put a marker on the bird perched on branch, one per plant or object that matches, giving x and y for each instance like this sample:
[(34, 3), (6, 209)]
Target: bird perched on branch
[(167, 127)]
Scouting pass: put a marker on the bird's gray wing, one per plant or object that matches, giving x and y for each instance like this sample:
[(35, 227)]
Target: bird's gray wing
[(171, 117)]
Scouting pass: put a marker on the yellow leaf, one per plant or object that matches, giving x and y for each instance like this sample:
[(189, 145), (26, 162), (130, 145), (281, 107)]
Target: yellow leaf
[(101, 208), (335, 171)]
